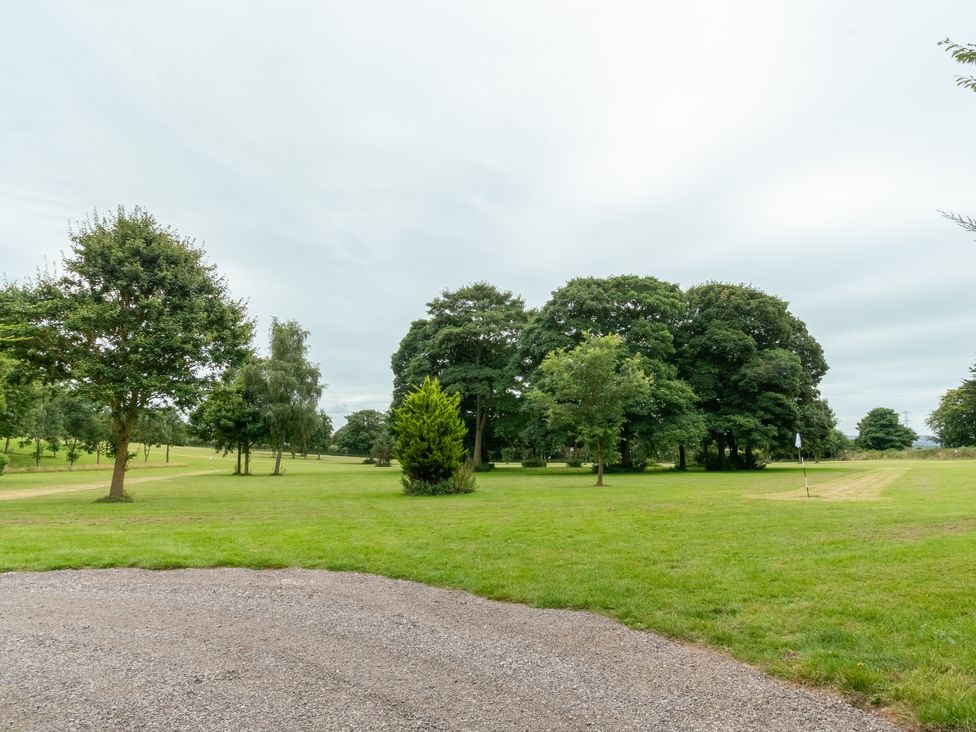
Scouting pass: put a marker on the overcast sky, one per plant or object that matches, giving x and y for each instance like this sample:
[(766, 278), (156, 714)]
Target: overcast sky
[(342, 163)]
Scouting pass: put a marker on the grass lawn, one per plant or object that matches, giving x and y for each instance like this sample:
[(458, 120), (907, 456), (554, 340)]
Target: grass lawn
[(869, 588)]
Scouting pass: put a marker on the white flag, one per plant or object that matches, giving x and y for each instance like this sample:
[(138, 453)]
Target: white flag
[(799, 442)]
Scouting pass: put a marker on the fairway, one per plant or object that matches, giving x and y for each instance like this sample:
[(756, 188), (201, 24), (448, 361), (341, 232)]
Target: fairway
[(865, 486), (872, 596)]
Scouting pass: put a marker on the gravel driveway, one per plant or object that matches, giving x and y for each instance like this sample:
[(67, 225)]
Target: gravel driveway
[(232, 649)]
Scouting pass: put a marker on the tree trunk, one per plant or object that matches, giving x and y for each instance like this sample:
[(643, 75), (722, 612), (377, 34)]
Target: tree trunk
[(237, 465), (733, 450), (247, 460), (37, 451), (626, 459), (478, 425), (277, 467), (720, 447), (167, 453), (6, 447), (682, 464), (124, 434), (599, 463)]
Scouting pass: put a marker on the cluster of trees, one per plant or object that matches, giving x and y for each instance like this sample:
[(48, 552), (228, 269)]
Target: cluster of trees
[(55, 418), (268, 401), (725, 370), (137, 328)]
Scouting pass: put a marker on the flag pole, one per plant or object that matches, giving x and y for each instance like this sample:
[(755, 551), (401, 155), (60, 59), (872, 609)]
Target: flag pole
[(799, 454)]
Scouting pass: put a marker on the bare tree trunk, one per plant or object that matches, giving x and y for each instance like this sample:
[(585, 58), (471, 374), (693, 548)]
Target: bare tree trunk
[(6, 447), (599, 463), (247, 460), (124, 434), (277, 467), (479, 422), (167, 453), (237, 467), (682, 464)]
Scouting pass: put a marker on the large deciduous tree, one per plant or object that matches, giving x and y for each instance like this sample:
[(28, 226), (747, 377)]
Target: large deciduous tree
[(468, 343), (138, 318), (643, 312), (361, 430), (588, 389), (880, 429), (954, 420), (754, 367)]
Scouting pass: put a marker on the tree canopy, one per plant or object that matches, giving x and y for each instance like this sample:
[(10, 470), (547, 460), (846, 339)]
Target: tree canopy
[(954, 420), (468, 343), (753, 366), (880, 429), (587, 389), (138, 318)]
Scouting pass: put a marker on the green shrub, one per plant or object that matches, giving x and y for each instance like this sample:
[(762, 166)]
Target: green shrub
[(461, 481), (484, 467), (430, 442), (574, 463), (3, 463), (534, 462)]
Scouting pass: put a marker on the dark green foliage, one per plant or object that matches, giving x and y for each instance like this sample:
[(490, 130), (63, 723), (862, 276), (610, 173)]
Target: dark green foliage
[(881, 430), (954, 420), (361, 431), (644, 312), (534, 462), (754, 368), (230, 416), (382, 450), (321, 440), (430, 440), (468, 342)]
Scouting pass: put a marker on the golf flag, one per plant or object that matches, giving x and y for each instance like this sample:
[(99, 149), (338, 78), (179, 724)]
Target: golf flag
[(799, 442)]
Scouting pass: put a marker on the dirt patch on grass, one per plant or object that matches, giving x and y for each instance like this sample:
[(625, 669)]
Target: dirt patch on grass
[(72, 487), (860, 487)]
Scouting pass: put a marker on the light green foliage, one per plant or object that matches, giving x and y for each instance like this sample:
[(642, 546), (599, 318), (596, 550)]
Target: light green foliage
[(288, 389), (84, 429), (138, 317), (430, 439), (468, 343), (881, 430), (587, 389), (43, 424), (954, 420), (361, 430), (753, 366)]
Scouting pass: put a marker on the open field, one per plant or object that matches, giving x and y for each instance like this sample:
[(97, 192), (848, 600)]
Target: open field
[(867, 587)]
